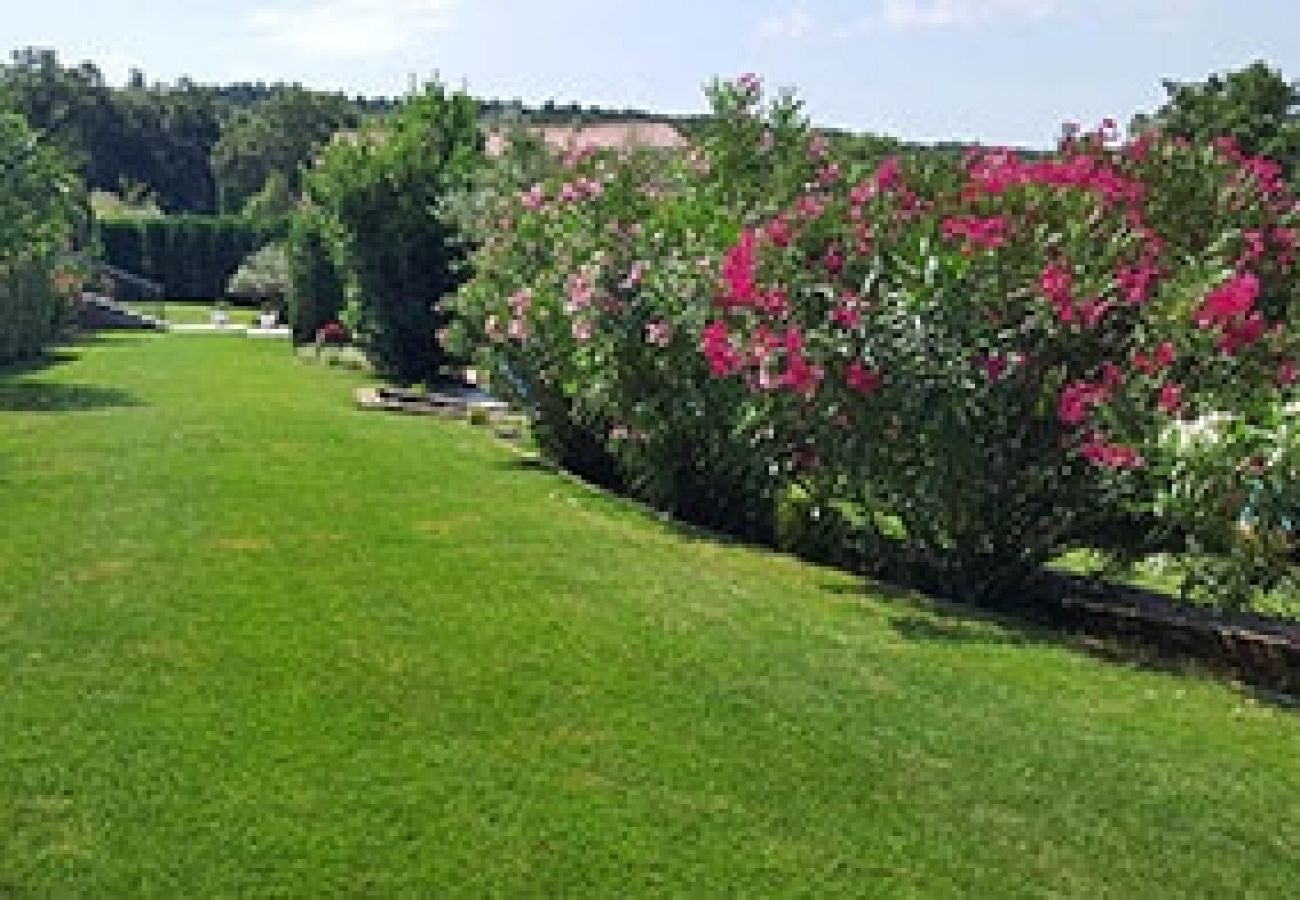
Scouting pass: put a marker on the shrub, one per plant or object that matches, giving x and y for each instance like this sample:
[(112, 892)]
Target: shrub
[(994, 358), (263, 276), (41, 206), (399, 249), (960, 367), (592, 286), (315, 287)]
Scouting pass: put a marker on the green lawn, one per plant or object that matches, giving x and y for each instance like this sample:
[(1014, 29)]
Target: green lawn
[(257, 643), (190, 312)]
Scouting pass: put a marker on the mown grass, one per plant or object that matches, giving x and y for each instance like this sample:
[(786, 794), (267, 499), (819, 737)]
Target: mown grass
[(255, 642), (193, 312)]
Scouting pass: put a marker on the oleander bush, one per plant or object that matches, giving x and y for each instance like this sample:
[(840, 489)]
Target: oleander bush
[(592, 286), (954, 369)]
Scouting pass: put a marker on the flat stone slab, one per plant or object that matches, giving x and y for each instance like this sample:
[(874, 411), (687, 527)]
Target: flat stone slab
[(453, 404)]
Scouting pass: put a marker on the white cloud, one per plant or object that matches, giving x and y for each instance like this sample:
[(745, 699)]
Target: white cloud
[(792, 25), (348, 29), (922, 14)]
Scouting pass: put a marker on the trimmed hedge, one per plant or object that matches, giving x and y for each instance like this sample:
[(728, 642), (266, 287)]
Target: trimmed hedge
[(192, 256)]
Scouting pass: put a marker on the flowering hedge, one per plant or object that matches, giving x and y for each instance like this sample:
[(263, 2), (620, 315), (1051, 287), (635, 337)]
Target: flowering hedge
[(594, 278), (968, 368)]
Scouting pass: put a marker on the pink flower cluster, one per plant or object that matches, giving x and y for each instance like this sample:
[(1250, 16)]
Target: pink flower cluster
[(995, 172), (977, 232), (1100, 452), (1229, 308)]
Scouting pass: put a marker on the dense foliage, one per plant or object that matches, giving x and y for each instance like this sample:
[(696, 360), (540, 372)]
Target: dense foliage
[(383, 193), (316, 289), (263, 276), (155, 139), (41, 207), (1255, 106), (593, 280), (193, 257), (274, 141), (968, 366)]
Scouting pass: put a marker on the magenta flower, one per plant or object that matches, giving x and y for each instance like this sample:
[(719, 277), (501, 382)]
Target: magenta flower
[(1077, 401), (863, 379), (1111, 456), (800, 375), (739, 272), (724, 359), (1171, 398), (1056, 283), (1230, 300)]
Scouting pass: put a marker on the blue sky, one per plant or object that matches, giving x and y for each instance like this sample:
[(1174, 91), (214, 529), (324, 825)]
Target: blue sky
[(999, 71)]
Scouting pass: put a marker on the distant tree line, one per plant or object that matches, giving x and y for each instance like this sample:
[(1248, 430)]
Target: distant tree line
[(185, 147)]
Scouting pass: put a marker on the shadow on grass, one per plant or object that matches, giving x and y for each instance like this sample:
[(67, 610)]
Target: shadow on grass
[(959, 632), (1034, 619), (37, 396), (1036, 622)]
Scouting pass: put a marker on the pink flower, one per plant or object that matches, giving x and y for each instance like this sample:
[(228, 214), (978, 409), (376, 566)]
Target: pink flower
[(1171, 398), (846, 315), (1092, 311), (1241, 333), (634, 276), (1231, 299), (1254, 240), (1077, 401), (518, 330), (580, 293), (750, 84), (1112, 376), (863, 379), (1165, 355), (1056, 284), (834, 261), (724, 359), (778, 232), (739, 272), (659, 333), (817, 146), (1287, 373), (994, 366), (582, 329), (520, 301), (978, 232), (1111, 456), (1137, 282), (801, 376), (888, 176), (534, 198)]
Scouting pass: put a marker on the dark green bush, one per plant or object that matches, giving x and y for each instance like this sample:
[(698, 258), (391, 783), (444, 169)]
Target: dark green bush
[(316, 289), (192, 256), (385, 192), (41, 207)]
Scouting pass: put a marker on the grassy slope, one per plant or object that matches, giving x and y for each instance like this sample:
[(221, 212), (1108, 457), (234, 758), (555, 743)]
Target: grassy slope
[(253, 641)]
